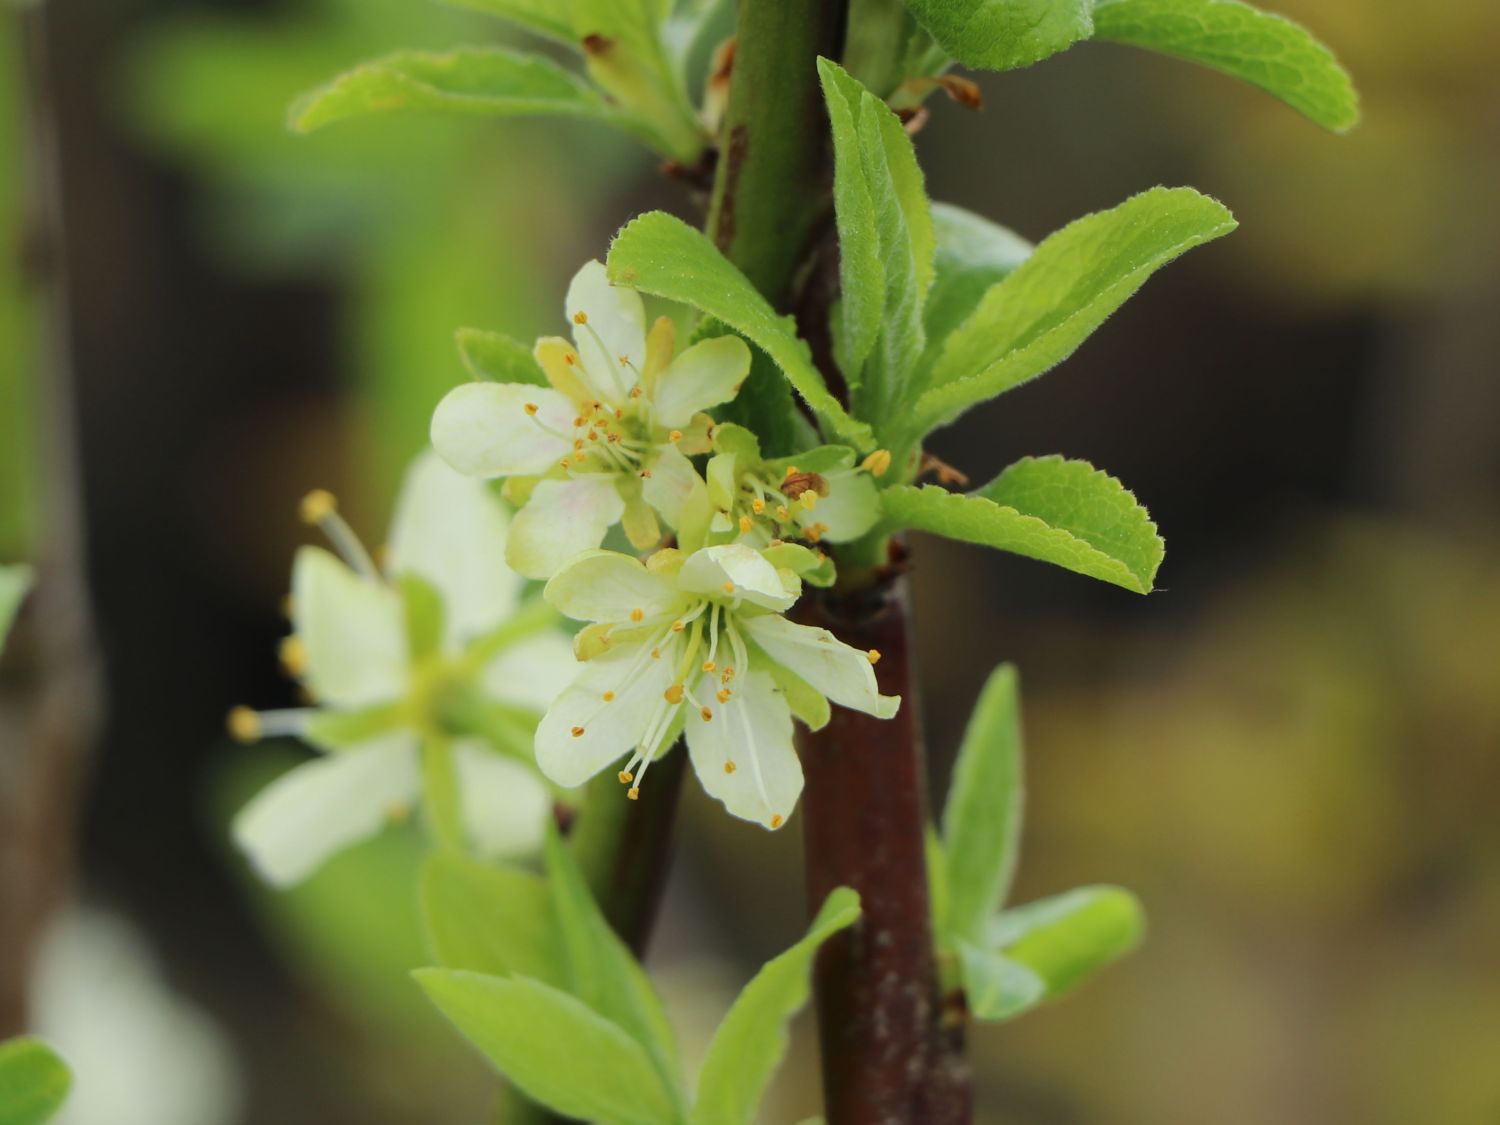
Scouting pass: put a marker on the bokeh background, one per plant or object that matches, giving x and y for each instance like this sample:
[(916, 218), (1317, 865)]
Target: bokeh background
[(1290, 752)]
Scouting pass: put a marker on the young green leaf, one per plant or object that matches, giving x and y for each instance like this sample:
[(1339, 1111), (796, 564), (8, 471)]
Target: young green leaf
[(602, 972), (495, 356), (995, 987), (973, 254), (1269, 51), (34, 1081), (752, 1039), (554, 1047), (886, 244), (489, 919), (544, 17), (1003, 34), (15, 581), (1041, 313), (661, 255), (982, 816), (487, 81), (1063, 512), (1068, 936)]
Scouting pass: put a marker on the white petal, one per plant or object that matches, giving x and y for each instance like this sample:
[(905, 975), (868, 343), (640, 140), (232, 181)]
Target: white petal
[(562, 518), (484, 429), (705, 375), (352, 630), (532, 673), (609, 729), (303, 817), (753, 578), (450, 530), (609, 586), (673, 479), (848, 511), (616, 327), (840, 672), (505, 804), (744, 754)]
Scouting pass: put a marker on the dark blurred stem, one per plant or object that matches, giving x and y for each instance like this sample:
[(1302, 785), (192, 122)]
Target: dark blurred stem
[(46, 720), (888, 1056)]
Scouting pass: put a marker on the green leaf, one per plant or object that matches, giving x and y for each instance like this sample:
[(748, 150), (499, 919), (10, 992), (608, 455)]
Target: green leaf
[(15, 581), (886, 244), (545, 17), (1062, 512), (765, 406), (752, 1039), (972, 255), (34, 1081), (1269, 51), (1003, 34), (489, 919), (494, 355), (982, 816), (1041, 313), (662, 255), (995, 987), (1068, 936), (602, 972), (553, 1047), (488, 81)]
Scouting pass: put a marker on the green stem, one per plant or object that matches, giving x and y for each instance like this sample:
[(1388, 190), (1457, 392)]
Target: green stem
[(440, 802)]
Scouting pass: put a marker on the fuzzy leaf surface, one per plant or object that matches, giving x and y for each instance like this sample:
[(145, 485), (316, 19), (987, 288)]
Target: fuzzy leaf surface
[(498, 357), (972, 255), (1003, 34)]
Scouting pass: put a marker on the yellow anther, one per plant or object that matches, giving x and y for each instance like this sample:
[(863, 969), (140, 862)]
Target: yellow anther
[(745, 524), (593, 435), (626, 777), (564, 462), (757, 505), (808, 499), (243, 724), (874, 655), (791, 471), (656, 654), (675, 435), (723, 694), (578, 458), (706, 713), (532, 408), (580, 317), (637, 613), (776, 821), (645, 474), (577, 732), (634, 793), (608, 697), (578, 421), (776, 543), (728, 673), (624, 360), (635, 392), (877, 463), (673, 694), (317, 506), (730, 767), (570, 359), (708, 665), (782, 513), (729, 587), (679, 625), (578, 442), (293, 654)]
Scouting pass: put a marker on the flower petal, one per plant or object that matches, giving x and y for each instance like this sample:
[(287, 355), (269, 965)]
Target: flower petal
[(485, 430), (850, 509), (608, 729), (450, 529), (615, 327), (743, 755), (711, 570), (532, 673), (292, 825), (505, 804), (562, 518), (842, 673), (609, 586), (351, 629), (705, 375), (672, 482)]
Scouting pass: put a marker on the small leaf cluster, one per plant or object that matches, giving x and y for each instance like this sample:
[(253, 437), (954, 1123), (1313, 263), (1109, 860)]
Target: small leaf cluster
[(531, 973)]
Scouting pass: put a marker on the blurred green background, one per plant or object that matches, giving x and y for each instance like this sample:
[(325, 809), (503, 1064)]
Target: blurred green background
[(1290, 751)]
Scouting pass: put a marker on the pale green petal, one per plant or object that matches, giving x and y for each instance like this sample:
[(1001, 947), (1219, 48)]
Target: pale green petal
[(609, 586), (743, 755), (615, 328), (351, 628), (292, 825), (532, 673), (842, 673), (485, 430), (672, 482), (850, 509), (450, 529), (562, 519), (705, 375), (711, 570), (505, 804), (608, 729)]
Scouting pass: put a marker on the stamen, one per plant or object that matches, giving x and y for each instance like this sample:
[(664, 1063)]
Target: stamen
[(243, 724), (708, 665), (729, 587), (626, 777), (251, 726), (634, 793), (577, 732), (319, 509), (608, 697), (745, 525), (637, 614), (580, 317), (532, 408), (293, 654), (679, 625), (706, 713), (776, 821), (673, 694), (758, 506), (877, 463), (723, 695), (675, 436), (874, 655), (730, 767)]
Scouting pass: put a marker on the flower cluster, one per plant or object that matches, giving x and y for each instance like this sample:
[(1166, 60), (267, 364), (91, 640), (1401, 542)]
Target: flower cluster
[(693, 640)]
